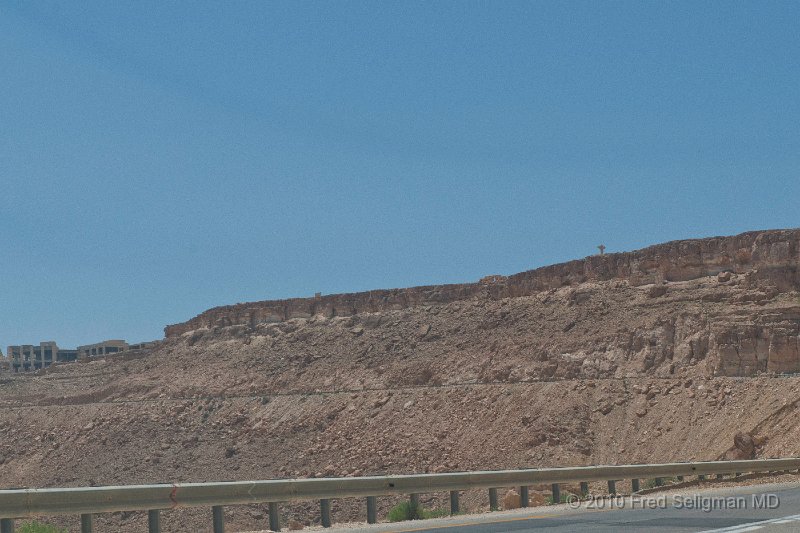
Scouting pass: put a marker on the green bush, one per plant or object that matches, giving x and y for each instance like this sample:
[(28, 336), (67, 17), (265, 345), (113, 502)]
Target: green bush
[(36, 527), (563, 498), (405, 511)]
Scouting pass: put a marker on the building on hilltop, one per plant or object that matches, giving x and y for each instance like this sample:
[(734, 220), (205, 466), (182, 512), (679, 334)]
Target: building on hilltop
[(143, 345), (102, 348), (29, 357)]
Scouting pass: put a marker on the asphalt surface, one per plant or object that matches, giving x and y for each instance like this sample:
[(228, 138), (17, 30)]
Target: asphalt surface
[(765, 508)]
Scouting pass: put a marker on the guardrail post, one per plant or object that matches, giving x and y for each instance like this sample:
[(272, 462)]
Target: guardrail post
[(524, 499), (634, 485), (701, 477), (325, 512), (154, 521), (612, 486), (453, 502), (86, 523), (274, 517), (584, 489), (414, 499), (659, 481), (556, 493), (218, 518), (372, 510), (6, 525), (493, 504)]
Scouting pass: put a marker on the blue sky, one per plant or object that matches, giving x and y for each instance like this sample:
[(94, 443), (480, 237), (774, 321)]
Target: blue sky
[(158, 159)]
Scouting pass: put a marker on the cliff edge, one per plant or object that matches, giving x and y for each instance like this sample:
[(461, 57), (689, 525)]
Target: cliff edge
[(772, 255)]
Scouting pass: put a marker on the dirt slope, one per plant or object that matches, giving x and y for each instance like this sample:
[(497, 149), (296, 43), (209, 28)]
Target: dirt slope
[(596, 371)]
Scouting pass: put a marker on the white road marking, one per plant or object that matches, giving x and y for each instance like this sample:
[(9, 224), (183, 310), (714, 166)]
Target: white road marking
[(753, 526)]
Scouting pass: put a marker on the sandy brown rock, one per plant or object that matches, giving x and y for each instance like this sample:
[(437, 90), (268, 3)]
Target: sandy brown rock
[(511, 500), (577, 365)]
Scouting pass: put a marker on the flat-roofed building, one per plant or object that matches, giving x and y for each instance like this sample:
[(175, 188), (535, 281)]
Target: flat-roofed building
[(102, 348), (30, 357), (143, 345)]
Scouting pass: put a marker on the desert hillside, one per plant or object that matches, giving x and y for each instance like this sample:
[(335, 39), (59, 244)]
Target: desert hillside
[(656, 355)]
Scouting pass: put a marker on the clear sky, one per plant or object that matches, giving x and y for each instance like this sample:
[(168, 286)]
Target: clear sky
[(161, 158)]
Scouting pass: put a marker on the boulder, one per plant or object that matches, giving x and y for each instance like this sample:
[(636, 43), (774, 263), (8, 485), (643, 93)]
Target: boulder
[(511, 500), (656, 290), (744, 447)]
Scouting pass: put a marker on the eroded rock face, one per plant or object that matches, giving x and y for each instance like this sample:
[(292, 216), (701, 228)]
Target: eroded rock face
[(766, 344), (722, 303), (764, 255)]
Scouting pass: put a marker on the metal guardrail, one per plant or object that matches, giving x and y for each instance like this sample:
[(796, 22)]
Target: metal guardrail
[(87, 501)]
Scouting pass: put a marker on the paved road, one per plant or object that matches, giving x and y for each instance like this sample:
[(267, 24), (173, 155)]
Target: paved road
[(732, 510)]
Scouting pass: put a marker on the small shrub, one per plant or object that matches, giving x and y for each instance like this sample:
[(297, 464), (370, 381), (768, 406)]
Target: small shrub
[(37, 527), (563, 498), (405, 511)]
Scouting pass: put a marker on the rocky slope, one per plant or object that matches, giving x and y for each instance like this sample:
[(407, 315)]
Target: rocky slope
[(594, 361)]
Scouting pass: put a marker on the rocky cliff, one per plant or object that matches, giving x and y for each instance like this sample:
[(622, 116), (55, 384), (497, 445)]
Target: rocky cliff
[(670, 353), (763, 255), (724, 301)]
